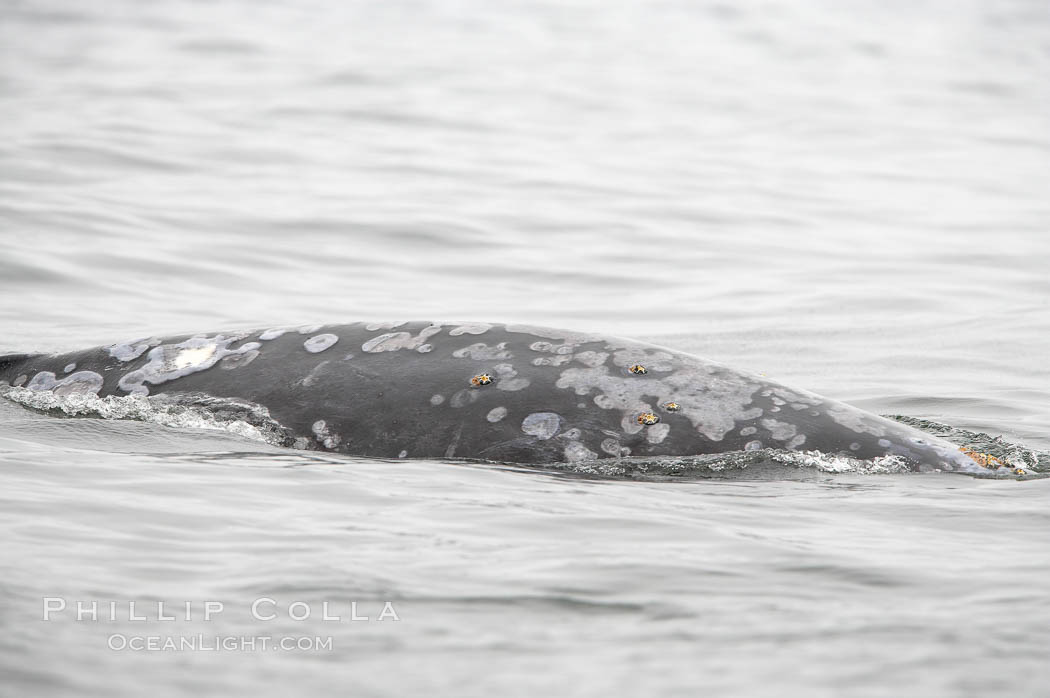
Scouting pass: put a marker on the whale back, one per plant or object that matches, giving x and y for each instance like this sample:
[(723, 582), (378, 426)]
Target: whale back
[(510, 393)]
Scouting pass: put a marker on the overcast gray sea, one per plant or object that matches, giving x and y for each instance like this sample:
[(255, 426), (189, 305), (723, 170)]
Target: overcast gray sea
[(850, 197)]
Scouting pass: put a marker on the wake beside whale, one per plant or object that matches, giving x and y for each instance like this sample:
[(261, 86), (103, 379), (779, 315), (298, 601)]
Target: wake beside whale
[(509, 393)]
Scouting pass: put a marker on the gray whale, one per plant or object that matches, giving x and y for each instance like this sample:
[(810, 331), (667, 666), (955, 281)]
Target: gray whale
[(509, 393)]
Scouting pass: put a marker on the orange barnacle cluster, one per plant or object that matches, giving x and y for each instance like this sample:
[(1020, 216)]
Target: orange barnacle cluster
[(983, 459), (648, 419), (480, 380)]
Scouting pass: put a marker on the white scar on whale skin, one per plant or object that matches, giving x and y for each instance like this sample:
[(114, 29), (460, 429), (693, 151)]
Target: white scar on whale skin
[(319, 343), (542, 425), (470, 328), (324, 435), (393, 341), (713, 399), (481, 352), (463, 397), (575, 452), (131, 350), (170, 361), (781, 431), (560, 353), (193, 357), (613, 448), (657, 433), (81, 382), (509, 379)]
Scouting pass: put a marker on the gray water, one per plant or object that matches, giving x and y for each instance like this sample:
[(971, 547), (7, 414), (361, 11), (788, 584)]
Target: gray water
[(851, 197)]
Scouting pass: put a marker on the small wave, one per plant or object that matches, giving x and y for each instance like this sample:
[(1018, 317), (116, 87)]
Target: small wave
[(185, 411), (764, 463), (761, 464)]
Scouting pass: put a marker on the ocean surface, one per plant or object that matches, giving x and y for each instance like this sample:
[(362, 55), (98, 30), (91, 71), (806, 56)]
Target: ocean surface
[(849, 197)]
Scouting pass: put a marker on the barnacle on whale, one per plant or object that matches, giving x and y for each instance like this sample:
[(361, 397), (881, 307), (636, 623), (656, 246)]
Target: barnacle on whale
[(983, 459), (648, 418)]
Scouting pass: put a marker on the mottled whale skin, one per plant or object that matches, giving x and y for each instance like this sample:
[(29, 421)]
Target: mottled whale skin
[(408, 390)]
